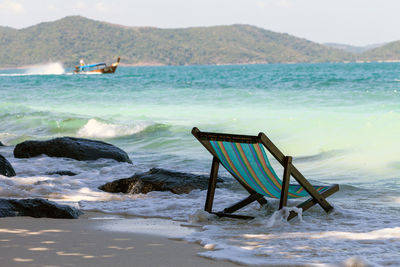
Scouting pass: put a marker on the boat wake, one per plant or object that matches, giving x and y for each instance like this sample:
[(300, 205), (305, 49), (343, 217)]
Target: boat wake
[(46, 69), (54, 68)]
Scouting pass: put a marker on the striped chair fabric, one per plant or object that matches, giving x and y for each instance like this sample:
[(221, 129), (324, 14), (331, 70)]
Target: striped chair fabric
[(249, 164)]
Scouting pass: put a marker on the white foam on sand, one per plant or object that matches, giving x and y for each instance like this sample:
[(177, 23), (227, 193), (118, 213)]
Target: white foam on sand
[(360, 232), (346, 237), (32, 179), (314, 241)]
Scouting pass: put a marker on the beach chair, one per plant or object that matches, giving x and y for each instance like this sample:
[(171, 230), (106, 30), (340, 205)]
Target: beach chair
[(244, 157)]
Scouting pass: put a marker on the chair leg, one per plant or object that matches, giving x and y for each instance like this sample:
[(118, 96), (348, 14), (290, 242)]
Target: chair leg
[(234, 216), (285, 182), (244, 202), (280, 157), (311, 201), (261, 200), (212, 183), (319, 198)]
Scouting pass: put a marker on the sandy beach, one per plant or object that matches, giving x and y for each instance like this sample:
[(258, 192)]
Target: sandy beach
[(27, 241)]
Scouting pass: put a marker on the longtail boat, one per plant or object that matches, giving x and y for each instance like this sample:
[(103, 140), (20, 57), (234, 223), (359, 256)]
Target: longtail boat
[(97, 68)]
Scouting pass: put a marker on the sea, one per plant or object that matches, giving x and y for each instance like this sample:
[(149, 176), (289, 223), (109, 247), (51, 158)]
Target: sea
[(339, 121)]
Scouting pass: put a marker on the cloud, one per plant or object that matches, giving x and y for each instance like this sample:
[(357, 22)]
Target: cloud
[(261, 4), (11, 6), (284, 4), (51, 7), (81, 5), (98, 6), (101, 7), (274, 4)]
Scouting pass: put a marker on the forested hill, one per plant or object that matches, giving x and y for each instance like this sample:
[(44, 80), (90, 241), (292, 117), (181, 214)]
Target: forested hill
[(388, 52), (71, 38)]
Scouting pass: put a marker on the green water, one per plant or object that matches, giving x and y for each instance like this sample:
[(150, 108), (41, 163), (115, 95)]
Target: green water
[(345, 115)]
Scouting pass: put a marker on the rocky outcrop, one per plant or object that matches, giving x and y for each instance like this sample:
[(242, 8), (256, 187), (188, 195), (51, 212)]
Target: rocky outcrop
[(158, 180), (1, 144), (70, 147), (6, 168), (37, 208)]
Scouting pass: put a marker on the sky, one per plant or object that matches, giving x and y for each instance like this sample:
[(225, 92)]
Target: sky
[(354, 22)]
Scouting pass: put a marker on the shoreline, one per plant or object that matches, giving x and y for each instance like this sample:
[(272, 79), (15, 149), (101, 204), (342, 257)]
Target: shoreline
[(92, 241)]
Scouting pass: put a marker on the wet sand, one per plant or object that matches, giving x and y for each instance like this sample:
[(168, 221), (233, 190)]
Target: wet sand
[(87, 241)]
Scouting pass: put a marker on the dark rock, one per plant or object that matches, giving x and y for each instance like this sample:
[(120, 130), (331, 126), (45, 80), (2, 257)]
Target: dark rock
[(36, 207), (68, 173), (6, 168), (1, 144), (158, 180), (70, 147)]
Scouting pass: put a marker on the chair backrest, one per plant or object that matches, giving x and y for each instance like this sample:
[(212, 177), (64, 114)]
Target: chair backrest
[(249, 163)]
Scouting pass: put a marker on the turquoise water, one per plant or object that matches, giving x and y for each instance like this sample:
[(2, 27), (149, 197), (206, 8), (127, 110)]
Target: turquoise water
[(348, 112), (339, 121)]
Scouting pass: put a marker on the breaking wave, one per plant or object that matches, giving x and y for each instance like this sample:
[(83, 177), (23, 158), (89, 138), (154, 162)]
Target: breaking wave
[(97, 129)]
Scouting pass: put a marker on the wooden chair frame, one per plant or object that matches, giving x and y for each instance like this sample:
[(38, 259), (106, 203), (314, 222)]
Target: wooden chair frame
[(285, 161)]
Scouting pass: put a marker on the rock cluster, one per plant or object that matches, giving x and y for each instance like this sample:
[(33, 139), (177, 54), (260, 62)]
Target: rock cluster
[(68, 147), (83, 149), (158, 180)]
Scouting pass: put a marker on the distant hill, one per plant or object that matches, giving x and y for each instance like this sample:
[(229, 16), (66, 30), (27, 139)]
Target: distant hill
[(388, 52), (352, 48), (6, 29), (71, 38)]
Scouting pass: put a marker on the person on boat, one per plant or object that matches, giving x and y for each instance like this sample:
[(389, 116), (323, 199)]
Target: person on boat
[(82, 63)]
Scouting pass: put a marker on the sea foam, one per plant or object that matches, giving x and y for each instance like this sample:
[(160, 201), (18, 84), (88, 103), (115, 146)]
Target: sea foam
[(97, 129)]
